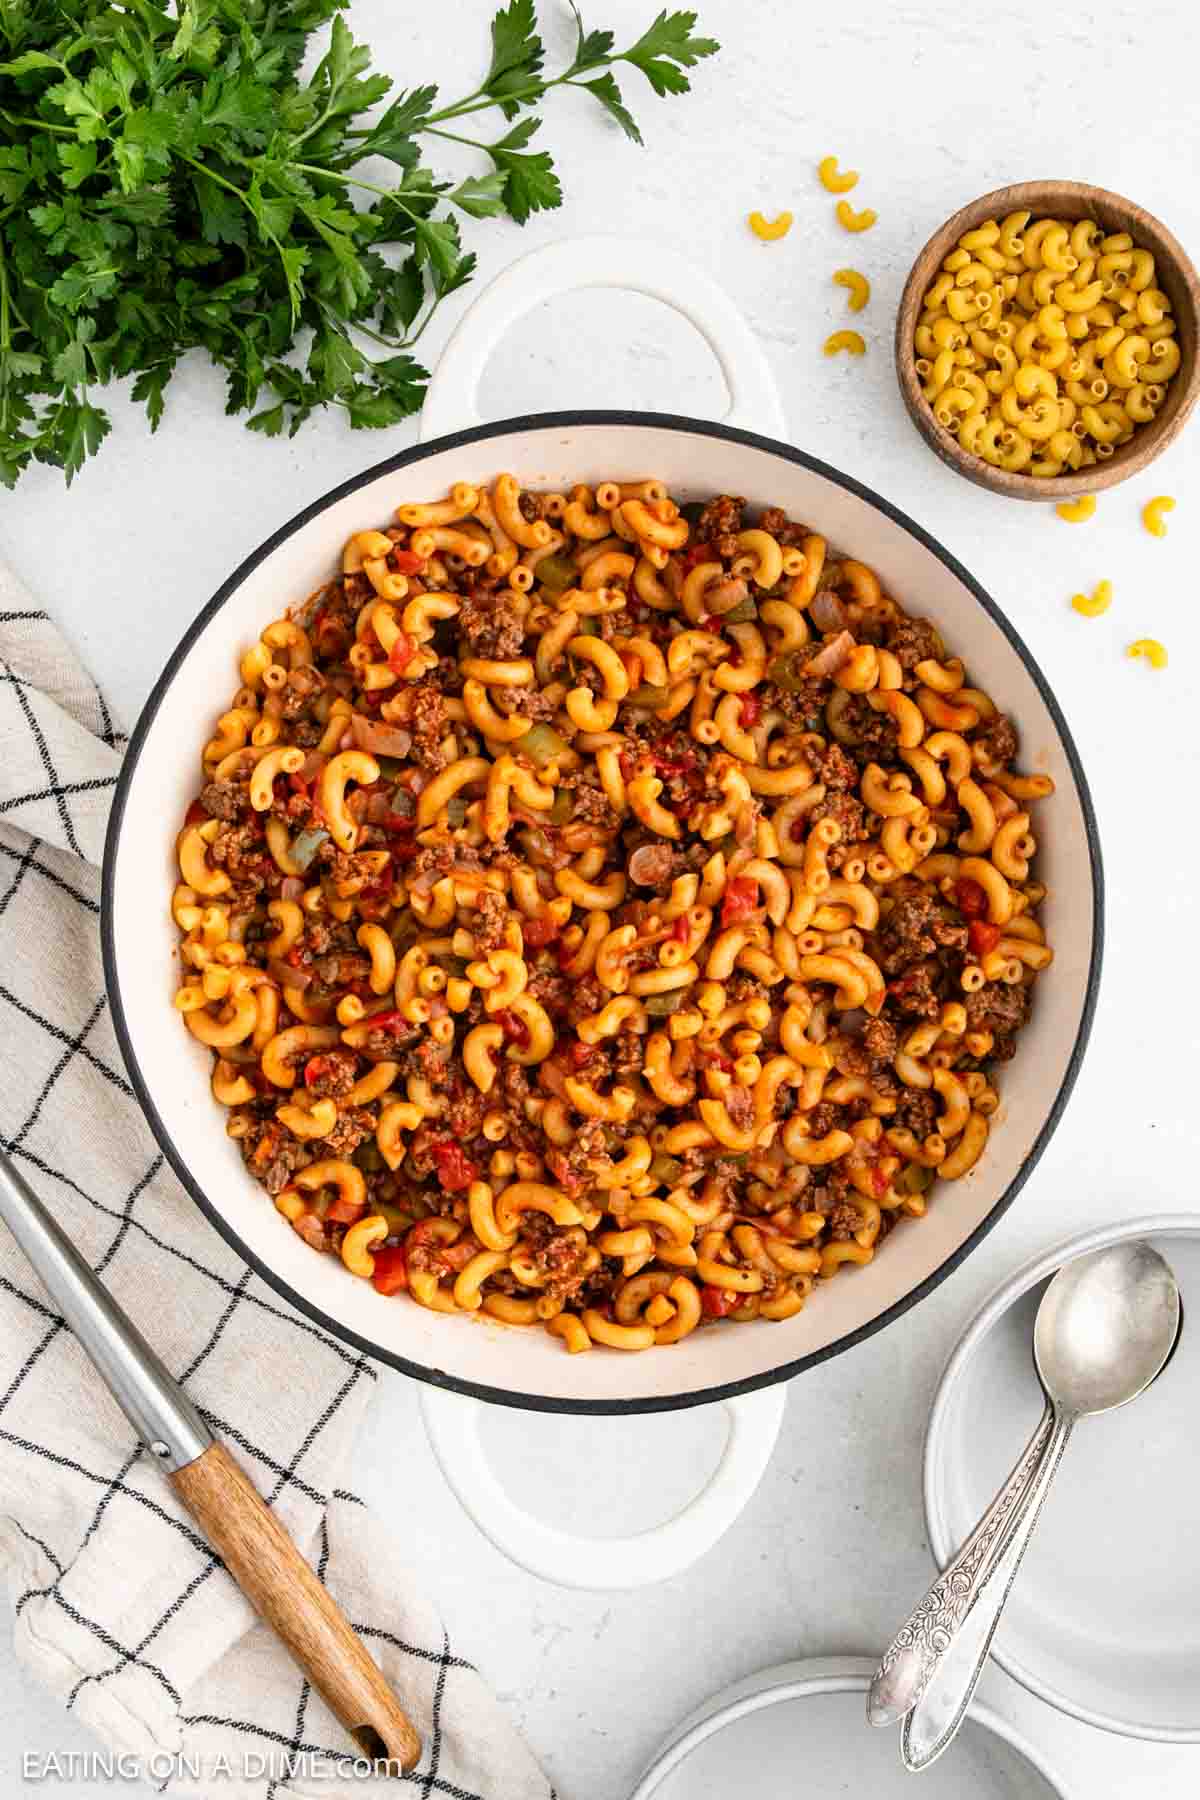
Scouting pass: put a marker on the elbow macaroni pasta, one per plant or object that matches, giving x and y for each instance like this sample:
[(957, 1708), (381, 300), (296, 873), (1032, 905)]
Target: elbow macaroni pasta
[(833, 180), (858, 285), (1043, 347), (770, 230), (1152, 515), (601, 948)]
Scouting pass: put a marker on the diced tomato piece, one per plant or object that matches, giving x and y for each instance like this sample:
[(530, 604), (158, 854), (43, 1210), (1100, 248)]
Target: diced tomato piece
[(580, 1053), (970, 898), (455, 1171), (407, 562), (983, 936), (314, 1068), (698, 552), (681, 931), (391, 1270), (741, 898), (401, 653), (879, 1182), (539, 932), (716, 1302), (384, 1021), (196, 814), (711, 622), (345, 1212), (515, 1029), (750, 711), (399, 822), (300, 784), (626, 765)]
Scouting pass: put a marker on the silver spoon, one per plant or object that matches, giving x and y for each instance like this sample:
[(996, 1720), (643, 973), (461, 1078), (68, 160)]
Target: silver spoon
[(1105, 1327)]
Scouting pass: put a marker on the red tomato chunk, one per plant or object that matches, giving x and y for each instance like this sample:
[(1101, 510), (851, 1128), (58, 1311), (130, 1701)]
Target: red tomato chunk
[(455, 1171), (970, 898), (983, 936), (391, 1270), (741, 898)]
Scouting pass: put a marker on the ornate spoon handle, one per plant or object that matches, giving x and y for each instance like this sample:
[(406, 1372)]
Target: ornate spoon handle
[(915, 1652), (933, 1723)]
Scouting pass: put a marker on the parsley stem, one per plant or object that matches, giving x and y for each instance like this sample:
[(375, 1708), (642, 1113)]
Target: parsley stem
[(480, 101), (36, 124), (454, 138), (5, 338), (351, 181), (219, 179)]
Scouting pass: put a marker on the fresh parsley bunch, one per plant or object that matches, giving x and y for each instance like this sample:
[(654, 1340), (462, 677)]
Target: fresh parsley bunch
[(169, 183)]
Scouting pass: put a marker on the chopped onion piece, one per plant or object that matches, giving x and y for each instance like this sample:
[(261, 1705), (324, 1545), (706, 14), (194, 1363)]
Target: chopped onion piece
[(831, 656)]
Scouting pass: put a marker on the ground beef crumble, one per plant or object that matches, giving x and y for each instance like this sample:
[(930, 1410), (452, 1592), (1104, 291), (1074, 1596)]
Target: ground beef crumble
[(995, 743), (492, 626)]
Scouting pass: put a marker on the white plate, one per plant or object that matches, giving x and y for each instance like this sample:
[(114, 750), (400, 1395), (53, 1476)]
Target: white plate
[(799, 1730), (1104, 1618)]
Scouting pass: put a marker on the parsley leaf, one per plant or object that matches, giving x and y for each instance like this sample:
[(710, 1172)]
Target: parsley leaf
[(82, 430), (481, 195), (530, 184), (517, 54), (591, 47), (666, 49), (189, 179), (609, 95), (150, 387)]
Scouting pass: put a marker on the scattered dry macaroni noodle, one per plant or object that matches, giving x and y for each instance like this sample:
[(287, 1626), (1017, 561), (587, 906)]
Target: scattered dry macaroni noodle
[(1152, 514), (1093, 604), (855, 221), (601, 912), (1077, 512), (845, 340), (859, 286), (1044, 348), (833, 180), (1150, 648), (770, 230)]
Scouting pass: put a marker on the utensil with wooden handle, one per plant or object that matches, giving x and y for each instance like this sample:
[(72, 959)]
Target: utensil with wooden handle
[(245, 1533)]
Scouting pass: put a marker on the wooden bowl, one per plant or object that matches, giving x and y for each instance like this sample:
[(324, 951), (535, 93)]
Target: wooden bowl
[(1173, 273)]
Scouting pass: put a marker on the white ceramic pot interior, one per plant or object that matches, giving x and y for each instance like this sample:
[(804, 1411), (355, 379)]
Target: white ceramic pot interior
[(694, 463)]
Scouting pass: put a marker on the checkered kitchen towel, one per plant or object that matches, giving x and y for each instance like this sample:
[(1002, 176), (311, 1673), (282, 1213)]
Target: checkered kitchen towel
[(120, 1607)]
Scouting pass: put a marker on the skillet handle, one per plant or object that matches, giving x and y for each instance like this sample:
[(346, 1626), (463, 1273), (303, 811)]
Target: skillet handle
[(452, 1423), (640, 267)]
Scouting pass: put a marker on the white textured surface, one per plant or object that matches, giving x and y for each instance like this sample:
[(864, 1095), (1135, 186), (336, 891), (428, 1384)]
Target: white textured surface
[(933, 106)]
